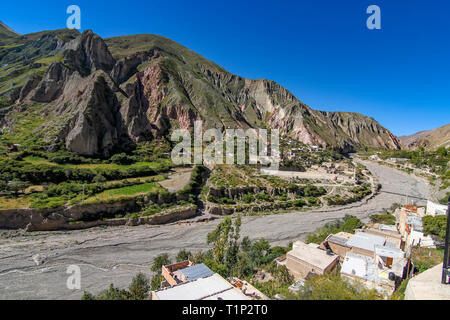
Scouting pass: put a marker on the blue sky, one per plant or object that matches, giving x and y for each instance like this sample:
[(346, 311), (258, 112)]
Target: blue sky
[(321, 51)]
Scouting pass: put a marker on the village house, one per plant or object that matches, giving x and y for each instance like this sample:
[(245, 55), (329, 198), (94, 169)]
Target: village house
[(435, 209), (212, 287), (187, 281), (304, 260), (371, 255), (409, 219)]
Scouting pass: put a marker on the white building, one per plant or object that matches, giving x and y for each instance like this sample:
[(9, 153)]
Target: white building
[(435, 209), (213, 287)]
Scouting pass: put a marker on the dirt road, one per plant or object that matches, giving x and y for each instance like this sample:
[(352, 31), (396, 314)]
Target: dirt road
[(115, 255)]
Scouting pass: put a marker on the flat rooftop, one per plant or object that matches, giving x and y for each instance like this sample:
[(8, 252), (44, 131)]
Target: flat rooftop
[(213, 287), (314, 256), (389, 252), (360, 266), (366, 241)]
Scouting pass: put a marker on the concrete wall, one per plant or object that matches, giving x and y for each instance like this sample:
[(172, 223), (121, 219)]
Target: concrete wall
[(364, 252), (339, 249)]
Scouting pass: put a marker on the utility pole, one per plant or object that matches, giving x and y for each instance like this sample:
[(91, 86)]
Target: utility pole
[(446, 266)]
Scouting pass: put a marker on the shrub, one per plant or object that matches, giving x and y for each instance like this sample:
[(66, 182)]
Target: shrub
[(160, 261), (122, 158), (347, 224), (435, 226), (387, 219)]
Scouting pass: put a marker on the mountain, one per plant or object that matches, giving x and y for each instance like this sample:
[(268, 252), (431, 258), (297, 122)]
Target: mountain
[(97, 97), (430, 140), (6, 33)]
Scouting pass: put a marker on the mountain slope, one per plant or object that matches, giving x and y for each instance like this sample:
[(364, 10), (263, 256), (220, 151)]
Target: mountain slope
[(101, 96), (430, 140), (6, 34), (255, 102)]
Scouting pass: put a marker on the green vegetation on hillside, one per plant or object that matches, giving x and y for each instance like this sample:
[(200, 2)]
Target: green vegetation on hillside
[(435, 226), (387, 219), (436, 161), (426, 258), (138, 290), (357, 194), (347, 224)]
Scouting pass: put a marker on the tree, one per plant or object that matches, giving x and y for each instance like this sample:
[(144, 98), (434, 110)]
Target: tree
[(161, 260), (259, 251), (436, 226), (112, 293), (138, 290), (387, 219), (155, 284), (122, 158), (226, 246), (283, 276), (3, 186), (183, 255), (18, 186), (99, 179), (334, 287), (139, 287), (243, 267), (246, 244), (220, 237)]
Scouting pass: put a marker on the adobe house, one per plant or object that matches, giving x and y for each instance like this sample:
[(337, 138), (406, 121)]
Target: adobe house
[(304, 260)]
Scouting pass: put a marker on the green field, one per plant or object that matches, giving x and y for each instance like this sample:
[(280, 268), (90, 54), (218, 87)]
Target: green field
[(124, 193)]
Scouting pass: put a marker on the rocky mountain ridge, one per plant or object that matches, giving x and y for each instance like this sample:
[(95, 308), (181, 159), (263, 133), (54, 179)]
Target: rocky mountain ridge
[(430, 139), (102, 96)]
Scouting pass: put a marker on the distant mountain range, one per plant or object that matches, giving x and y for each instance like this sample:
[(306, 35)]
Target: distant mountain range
[(99, 96), (430, 140)]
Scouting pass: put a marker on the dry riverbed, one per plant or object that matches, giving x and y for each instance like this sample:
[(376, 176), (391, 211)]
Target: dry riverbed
[(116, 255)]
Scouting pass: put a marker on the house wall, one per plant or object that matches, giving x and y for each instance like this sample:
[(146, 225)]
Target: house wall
[(339, 249), (364, 252), (166, 270)]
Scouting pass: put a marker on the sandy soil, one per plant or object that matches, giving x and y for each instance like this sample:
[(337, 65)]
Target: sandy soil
[(311, 175), (115, 255), (178, 180)]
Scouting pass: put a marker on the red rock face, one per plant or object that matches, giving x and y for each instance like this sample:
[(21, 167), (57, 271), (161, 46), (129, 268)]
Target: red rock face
[(153, 84), (152, 81)]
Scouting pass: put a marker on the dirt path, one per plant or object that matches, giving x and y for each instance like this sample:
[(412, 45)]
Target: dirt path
[(178, 180), (115, 255)]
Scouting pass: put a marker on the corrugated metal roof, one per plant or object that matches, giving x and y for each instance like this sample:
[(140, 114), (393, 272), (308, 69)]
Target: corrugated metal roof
[(196, 272), (413, 220), (365, 241), (338, 240), (211, 287)]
